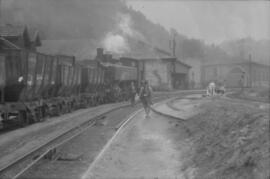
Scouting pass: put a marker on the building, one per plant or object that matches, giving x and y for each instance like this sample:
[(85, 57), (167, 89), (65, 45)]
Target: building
[(18, 37), (158, 67), (195, 81), (181, 75), (246, 74)]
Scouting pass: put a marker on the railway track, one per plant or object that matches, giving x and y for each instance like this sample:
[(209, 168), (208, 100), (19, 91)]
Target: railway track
[(22, 164), (15, 168)]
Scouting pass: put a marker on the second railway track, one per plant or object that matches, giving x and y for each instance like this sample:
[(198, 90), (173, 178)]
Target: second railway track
[(15, 168)]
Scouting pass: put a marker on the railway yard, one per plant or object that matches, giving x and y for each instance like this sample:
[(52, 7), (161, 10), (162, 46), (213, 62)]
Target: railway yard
[(139, 89), (187, 136)]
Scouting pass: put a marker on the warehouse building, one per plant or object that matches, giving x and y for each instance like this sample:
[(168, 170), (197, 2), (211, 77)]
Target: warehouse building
[(246, 74)]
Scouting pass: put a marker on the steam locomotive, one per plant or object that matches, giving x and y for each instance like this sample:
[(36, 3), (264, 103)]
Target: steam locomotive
[(34, 86)]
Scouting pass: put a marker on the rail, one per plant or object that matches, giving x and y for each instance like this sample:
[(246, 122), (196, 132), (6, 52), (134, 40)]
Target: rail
[(16, 168)]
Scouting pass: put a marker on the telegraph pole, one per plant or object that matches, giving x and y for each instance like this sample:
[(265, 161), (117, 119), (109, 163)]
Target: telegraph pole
[(173, 43), (250, 71)]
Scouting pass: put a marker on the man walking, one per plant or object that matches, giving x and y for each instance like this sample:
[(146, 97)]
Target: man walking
[(145, 96)]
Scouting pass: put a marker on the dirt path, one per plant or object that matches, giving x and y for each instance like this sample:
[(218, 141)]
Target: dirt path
[(145, 148), (183, 108)]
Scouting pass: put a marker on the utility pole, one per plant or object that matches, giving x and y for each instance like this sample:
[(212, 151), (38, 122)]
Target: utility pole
[(173, 42), (174, 45), (250, 71)]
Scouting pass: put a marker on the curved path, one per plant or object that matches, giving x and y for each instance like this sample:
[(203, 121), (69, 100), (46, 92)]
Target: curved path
[(145, 148), (181, 108)]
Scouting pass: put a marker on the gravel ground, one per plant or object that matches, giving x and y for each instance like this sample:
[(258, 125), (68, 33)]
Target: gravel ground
[(145, 149), (75, 156), (227, 139), (16, 143)]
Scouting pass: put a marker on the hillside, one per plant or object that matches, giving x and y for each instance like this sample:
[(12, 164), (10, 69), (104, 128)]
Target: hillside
[(101, 23), (242, 48), (79, 27)]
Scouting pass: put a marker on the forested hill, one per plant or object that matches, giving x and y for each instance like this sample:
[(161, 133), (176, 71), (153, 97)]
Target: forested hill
[(258, 50), (79, 27), (99, 21)]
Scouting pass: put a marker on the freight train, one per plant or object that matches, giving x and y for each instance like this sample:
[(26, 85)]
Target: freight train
[(34, 86)]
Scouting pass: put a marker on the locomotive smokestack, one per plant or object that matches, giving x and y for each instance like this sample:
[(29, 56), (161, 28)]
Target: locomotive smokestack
[(99, 53), (109, 57)]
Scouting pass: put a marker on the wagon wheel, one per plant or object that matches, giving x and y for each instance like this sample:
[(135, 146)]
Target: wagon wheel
[(59, 110), (43, 111), (24, 118), (73, 106), (37, 115), (68, 106), (46, 112), (4, 124)]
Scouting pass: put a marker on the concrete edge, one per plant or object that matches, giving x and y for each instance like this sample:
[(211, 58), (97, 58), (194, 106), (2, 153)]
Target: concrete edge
[(165, 114)]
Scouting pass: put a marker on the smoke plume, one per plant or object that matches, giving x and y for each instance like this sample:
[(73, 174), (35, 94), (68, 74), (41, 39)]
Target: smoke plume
[(116, 41)]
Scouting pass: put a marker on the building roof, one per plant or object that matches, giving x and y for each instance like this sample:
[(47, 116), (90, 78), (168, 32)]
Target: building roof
[(142, 51), (254, 63), (86, 49), (236, 63), (7, 44), (8, 30), (184, 64), (80, 48)]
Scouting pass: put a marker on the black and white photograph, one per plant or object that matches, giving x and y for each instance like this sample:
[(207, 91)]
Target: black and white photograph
[(134, 89)]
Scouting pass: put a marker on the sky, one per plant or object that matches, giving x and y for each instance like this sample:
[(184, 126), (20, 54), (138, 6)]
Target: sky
[(211, 21)]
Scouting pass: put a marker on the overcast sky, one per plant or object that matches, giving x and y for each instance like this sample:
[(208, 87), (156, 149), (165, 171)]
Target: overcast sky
[(212, 21)]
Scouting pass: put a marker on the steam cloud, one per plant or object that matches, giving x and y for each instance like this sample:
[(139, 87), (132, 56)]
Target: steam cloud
[(117, 41)]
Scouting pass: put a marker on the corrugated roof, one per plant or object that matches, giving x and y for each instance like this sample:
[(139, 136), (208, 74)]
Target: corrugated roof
[(80, 48), (11, 30), (8, 30), (143, 51), (86, 49), (182, 63), (9, 45), (237, 62)]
